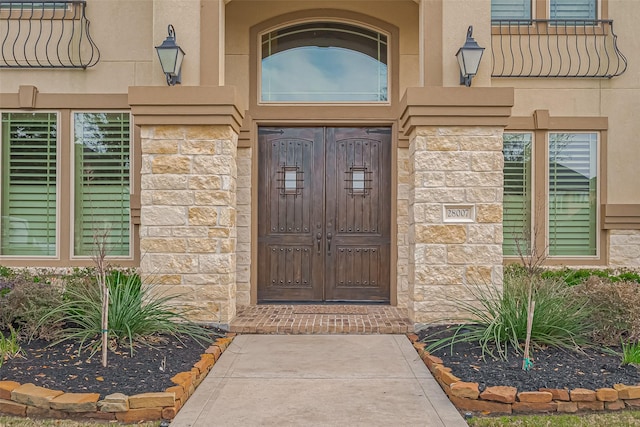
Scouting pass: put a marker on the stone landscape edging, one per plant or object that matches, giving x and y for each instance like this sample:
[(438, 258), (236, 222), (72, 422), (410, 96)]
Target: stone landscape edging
[(466, 396), (29, 400)]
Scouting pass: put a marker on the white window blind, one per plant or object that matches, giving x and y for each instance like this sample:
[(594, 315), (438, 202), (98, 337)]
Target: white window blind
[(28, 204), (102, 182), (573, 9), (572, 194), (510, 9), (517, 194)]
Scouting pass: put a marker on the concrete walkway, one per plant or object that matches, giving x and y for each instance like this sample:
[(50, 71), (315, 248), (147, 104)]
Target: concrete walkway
[(319, 380)]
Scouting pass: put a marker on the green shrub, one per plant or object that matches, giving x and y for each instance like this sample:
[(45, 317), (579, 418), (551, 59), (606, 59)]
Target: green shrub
[(615, 305), (24, 299), (136, 313), (498, 320), (573, 277), (631, 353), (9, 347)]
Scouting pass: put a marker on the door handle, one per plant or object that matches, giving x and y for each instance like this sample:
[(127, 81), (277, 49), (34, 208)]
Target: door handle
[(329, 236), (318, 239)]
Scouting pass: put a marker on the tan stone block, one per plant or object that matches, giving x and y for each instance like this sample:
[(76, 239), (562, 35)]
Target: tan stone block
[(116, 398), (535, 396), (582, 395), (116, 402), (6, 387), (607, 394), (431, 360), (167, 279), (227, 246), (142, 414), (439, 195), (177, 390), (12, 408), (474, 254), (503, 394), (205, 363), (489, 213), (483, 406), (465, 389), (197, 147), (170, 263), (151, 400), (33, 395), (568, 407), (215, 350), (627, 392), (474, 179), (169, 413), (36, 412), (442, 161), (614, 406), (434, 234), (223, 343), (226, 217), (214, 198), (203, 215), (171, 164), (167, 132), (173, 197), (164, 182), (529, 407), (632, 403), (76, 402), (159, 146), (216, 263), (591, 406), (163, 245), (558, 393), (163, 215), (209, 132), (205, 182), (106, 416), (444, 375), (479, 274), (202, 245), (487, 161), (183, 379), (214, 165)]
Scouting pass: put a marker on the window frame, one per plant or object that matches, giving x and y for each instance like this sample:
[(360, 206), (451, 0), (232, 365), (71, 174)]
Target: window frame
[(390, 43), (72, 187), (541, 10), (65, 204), (58, 204), (540, 125)]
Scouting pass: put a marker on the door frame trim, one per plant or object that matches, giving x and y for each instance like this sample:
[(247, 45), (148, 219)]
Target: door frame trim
[(250, 129)]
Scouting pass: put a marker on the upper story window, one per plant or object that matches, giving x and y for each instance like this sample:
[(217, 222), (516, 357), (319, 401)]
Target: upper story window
[(557, 9), (324, 62)]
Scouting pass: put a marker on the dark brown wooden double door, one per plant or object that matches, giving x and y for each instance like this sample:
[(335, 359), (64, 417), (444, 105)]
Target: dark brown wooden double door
[(324, 214)]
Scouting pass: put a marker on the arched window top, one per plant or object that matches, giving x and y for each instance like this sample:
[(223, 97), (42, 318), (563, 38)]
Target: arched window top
[(324, 62)]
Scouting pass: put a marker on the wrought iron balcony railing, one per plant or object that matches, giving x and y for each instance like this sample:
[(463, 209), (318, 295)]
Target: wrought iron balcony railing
[(45, 34), (556, 48)]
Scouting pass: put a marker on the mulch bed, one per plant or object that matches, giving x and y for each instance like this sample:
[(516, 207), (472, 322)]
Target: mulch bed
[(59, 367), (591, 368)]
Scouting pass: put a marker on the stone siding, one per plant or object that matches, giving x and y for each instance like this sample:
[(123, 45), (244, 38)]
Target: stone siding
[(453, 166), (402, 232), (624, 248), (244, 228), (188, 216)]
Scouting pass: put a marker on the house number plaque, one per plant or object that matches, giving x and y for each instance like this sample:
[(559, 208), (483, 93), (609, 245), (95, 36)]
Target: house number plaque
[(459, 213)]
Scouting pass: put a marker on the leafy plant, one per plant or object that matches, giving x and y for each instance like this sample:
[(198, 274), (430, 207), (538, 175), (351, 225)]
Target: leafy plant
[(615, 306), (9, 346), (497, 321), (631, 353), (24, 299), (136, 312)]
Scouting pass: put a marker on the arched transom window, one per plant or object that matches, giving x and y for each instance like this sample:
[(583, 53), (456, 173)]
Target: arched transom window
[(324, 62)]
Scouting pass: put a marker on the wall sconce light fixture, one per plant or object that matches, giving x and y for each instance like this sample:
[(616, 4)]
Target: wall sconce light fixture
[(469, 57), (171, 56)]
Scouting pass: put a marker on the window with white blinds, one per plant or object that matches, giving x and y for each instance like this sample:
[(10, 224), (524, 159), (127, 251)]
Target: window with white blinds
[(517, 194), (102, 182), (572, 194), (510, 9), (29, 196), (573, 9)]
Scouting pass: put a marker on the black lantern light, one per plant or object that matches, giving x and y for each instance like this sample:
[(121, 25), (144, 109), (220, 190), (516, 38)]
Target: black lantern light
[(469, 57), (171, 56)]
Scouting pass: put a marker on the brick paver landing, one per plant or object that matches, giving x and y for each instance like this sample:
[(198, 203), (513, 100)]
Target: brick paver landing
[(321, 319)]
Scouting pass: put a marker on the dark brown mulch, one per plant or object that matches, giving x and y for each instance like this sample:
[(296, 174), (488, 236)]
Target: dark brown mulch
[(552, 368), (59, 367)]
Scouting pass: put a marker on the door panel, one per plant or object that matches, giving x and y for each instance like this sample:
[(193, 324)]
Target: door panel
[(324, 214)]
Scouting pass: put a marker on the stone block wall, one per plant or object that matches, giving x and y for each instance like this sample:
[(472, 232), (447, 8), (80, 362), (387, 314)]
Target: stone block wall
[(188, 216), (244, 228), (453, 166), (402, 232), (624, 248)]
